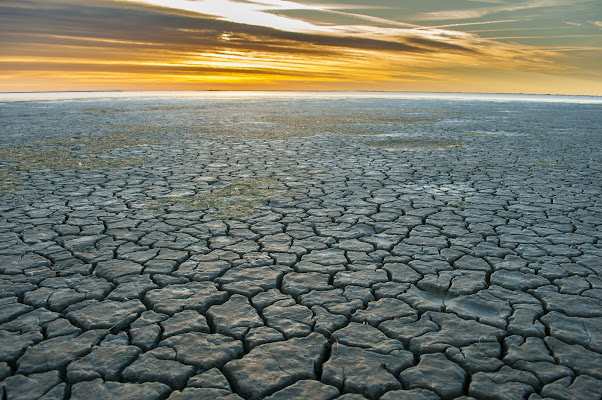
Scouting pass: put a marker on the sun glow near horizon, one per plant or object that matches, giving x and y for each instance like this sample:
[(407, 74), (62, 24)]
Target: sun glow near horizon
[(297, 45)]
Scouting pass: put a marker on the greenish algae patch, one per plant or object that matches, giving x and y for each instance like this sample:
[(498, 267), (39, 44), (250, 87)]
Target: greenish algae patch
[(545, 164), (277, 126), (474, 134), (237, 200), (9, 180), (344, 121), (67, 154), (98, 144), (28, 159), (415, 144)]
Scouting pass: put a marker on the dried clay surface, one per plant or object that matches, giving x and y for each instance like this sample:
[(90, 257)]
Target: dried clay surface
[(301, 248)]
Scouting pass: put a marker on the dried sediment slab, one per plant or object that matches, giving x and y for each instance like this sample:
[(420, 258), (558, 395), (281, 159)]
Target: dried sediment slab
[(273, 366)]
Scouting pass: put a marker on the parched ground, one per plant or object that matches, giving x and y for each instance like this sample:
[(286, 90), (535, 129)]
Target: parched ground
[(300, 249)]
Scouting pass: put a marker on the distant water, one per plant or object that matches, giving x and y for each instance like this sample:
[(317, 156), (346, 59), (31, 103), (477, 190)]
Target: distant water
[(66, 96)]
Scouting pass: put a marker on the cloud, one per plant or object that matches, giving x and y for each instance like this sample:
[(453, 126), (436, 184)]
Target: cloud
[(266, 13), (125, 41), (475, 23), (440, 45), (123, 26), (473, 13), (67, 41)]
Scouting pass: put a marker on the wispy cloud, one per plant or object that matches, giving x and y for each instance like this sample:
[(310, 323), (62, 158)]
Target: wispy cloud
[(241, 11), (480, 12), (502, 21), (548, 37)]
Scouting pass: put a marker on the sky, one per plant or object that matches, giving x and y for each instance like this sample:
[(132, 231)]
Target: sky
[(492, 46)]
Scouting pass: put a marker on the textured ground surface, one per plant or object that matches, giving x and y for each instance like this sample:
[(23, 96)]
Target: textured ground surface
[(465, 266)]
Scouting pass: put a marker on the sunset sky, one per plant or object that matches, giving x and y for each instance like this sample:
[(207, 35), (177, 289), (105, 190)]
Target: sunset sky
[(509, 46)]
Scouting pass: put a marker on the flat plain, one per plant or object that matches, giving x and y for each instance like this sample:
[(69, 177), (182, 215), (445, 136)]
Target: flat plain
[(300, 248)]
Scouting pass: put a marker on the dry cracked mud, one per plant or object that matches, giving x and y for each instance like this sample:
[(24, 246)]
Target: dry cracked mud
[(307, 266)]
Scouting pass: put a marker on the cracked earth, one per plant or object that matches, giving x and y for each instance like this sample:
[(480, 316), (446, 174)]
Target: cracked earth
[(264, 248)]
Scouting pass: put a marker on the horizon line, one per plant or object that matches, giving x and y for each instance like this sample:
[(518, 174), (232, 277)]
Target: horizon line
[(300, 91)]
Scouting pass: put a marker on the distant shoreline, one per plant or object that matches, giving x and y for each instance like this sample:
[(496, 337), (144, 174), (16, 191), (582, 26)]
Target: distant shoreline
[(300, 91), (7, 97)]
